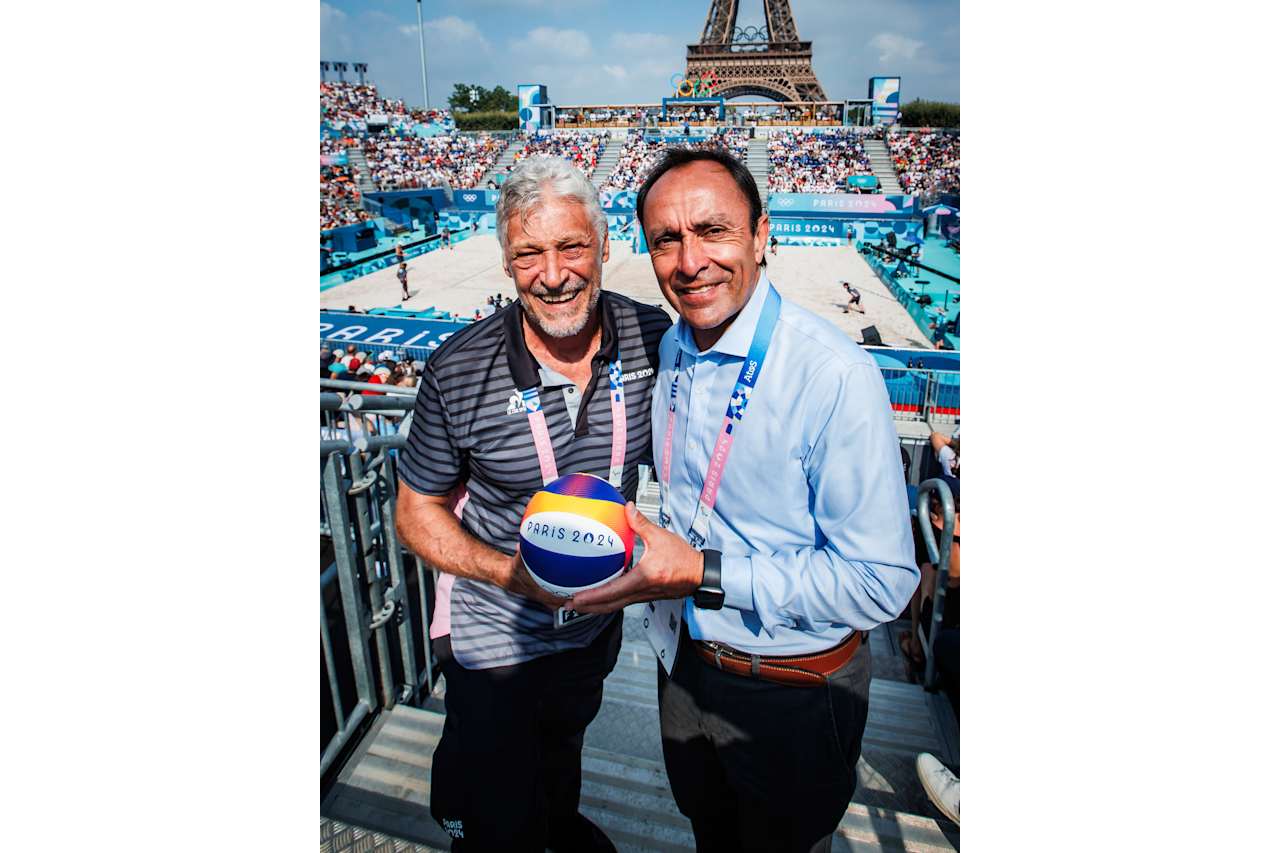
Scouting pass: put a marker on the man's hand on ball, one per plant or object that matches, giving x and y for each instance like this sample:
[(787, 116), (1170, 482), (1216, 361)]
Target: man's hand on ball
[(670, 568), (521, 582)]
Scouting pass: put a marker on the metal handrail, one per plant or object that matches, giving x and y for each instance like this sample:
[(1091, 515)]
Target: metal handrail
[(941, 559), (358, 508)]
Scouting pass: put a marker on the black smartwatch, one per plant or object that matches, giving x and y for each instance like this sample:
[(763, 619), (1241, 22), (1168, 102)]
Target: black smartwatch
[(709, 595)]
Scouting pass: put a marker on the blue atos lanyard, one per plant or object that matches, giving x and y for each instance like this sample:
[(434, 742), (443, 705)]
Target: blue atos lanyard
[(752, 367)]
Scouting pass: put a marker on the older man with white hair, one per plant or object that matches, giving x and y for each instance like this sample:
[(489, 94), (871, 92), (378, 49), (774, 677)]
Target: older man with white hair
[(558, 382)]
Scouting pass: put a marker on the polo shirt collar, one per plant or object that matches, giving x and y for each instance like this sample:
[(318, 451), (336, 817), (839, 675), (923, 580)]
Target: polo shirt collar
[(525, 368), (736, 341)]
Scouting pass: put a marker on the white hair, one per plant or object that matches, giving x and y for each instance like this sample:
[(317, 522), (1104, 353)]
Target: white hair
[(557, 178)]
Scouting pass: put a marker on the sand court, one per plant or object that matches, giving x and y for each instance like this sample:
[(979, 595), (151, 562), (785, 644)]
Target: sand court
[(459, 280)]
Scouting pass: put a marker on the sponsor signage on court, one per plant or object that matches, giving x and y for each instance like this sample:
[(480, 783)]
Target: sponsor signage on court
[(368, 331), (842, 205)]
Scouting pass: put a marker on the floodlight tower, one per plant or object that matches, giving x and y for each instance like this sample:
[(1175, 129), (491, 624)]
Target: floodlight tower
[(324, 69), (361, 67), (422, 50), (340, 67)]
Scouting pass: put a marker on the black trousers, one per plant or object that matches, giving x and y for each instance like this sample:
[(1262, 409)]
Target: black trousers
[(507, 772), (758, 766)]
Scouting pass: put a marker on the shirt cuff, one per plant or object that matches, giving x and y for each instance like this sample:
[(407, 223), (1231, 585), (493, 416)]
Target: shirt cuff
[(735, 580)]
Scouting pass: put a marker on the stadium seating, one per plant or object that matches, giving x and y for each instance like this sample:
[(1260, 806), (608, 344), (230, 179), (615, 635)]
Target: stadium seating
[(582, 148), (926, 162), (409, 162), (638, 156), (815, 161)]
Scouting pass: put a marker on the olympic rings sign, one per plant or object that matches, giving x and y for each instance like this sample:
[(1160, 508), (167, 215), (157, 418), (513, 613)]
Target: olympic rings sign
[(699, 85)]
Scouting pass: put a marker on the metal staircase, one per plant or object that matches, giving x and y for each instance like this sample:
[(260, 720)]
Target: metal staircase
[(608, 160), (758, 164), (382, 794), (882, 165)]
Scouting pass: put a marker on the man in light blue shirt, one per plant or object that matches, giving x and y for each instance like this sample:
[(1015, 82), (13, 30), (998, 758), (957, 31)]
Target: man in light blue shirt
[(801, 536)]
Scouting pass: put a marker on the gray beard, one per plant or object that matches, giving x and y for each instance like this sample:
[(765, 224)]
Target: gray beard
[(560, 331)]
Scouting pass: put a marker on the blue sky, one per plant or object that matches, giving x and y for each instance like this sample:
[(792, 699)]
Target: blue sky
[(625, 51)]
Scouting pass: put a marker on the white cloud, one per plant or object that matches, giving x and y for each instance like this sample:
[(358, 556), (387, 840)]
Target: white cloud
[(647, 43), (330, 15), (617, 72), (451, 30), (894, 47), (556, 44)]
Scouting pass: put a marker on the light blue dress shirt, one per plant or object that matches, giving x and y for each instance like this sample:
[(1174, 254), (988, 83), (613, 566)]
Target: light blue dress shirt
[(812, 514)]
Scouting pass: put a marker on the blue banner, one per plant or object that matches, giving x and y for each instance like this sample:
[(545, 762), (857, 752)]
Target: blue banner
[(832, 231), (475, 199), (369, 332), (842, 205), (866, 182)]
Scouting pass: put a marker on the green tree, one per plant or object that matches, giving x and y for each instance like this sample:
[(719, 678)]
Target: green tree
[(496, 99), (920, 113)]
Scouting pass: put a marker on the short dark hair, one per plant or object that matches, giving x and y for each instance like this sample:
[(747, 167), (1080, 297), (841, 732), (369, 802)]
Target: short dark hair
[(683, 156)]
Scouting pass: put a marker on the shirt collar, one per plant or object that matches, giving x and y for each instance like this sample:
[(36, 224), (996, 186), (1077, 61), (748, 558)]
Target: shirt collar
[(525, 368), (736, 340)]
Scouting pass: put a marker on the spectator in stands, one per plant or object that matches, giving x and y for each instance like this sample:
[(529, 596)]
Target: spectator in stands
[(947, 449), (326, 359), (522, 691)]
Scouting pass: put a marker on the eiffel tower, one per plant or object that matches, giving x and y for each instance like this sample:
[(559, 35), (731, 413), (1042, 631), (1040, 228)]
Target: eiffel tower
[(770, 61)]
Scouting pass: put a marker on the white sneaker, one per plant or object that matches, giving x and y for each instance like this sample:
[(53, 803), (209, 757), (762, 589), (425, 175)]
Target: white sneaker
[(942, 786)]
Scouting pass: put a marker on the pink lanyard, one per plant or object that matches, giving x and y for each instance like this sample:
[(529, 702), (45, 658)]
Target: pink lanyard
[(748, 376), (542, 439)]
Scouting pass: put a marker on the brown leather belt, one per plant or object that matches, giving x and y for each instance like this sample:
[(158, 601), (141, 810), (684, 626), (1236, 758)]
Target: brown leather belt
[(796, 671)]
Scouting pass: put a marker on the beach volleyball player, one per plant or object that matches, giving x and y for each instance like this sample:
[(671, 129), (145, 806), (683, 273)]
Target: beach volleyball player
[(556, 384)]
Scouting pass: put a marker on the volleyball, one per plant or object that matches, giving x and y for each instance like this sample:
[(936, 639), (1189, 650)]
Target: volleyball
[(575, 535)]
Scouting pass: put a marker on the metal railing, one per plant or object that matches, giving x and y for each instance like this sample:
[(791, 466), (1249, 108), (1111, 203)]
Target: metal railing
[(383, 594), (917, 394), (940, 556)]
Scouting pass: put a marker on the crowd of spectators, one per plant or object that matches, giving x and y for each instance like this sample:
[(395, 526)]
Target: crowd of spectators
[(926, 162), (407, 162), (347, 102), (582, 148), (342, 102), (339, 198), (601, 115), (802, 161), (354, 365), (638, 156)]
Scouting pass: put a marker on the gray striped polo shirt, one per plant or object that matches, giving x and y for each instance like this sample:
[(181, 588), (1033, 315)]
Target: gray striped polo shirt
[(470, 426)]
